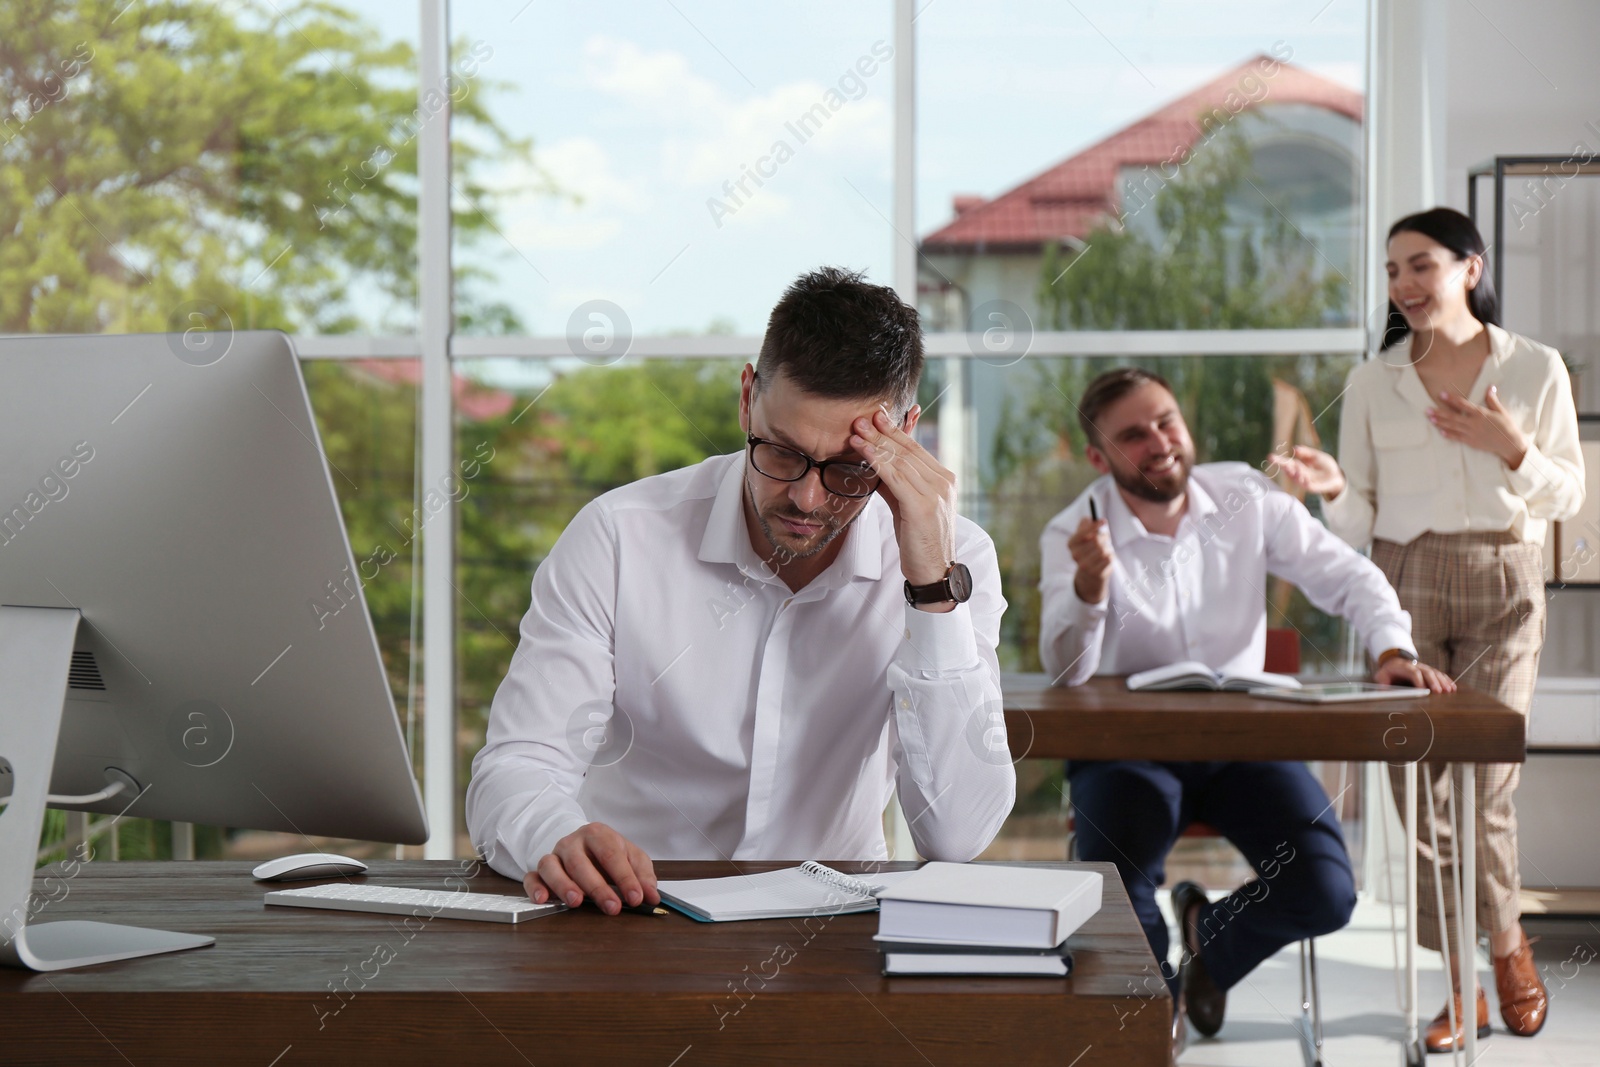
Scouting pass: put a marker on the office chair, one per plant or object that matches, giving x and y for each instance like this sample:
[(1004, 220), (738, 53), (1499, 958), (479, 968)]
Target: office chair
[(1282, 657)]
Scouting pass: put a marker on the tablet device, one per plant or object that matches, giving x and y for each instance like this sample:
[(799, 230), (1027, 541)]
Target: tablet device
[(1340, 692)]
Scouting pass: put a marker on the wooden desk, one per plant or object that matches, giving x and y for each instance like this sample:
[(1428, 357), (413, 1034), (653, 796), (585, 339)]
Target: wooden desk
[(1103, 720), (286, 986)]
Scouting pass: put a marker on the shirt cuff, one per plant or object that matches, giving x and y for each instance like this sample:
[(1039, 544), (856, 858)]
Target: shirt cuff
[(1390, 636), (1350, 517), (1338, 509), (938, 641), (536, 841), (1531, 475), (1080, 613)]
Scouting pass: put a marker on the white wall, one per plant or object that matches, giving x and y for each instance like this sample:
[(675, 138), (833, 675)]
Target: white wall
[(1523, 76)]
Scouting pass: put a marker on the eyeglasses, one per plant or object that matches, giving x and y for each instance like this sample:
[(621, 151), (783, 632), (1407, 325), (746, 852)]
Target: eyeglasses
[(841, 477)]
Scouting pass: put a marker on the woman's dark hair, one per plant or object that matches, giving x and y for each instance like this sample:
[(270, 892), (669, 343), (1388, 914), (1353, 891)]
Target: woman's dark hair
[(834, 334), (1457, 233)]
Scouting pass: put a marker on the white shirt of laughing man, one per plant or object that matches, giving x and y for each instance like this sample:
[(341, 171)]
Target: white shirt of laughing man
[(1201, 594)]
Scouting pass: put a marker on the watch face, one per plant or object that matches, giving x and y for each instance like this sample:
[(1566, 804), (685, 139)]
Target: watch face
[(960, 583)]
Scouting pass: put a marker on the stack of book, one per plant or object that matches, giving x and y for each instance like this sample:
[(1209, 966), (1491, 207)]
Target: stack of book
[(970, 919)]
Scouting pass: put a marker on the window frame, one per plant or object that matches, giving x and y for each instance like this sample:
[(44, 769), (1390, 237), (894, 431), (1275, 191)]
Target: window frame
[(438, 349)]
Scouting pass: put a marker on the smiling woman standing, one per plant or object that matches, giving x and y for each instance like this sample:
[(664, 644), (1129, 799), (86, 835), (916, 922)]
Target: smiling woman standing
[(1459, 446)]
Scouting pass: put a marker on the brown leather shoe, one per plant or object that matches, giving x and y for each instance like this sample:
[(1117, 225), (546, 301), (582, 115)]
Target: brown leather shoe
[(1439, 1038), (1524, 1005), (1204, 1003)]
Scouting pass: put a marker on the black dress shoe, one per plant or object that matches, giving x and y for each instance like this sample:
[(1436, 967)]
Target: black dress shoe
[(1204, 1002)]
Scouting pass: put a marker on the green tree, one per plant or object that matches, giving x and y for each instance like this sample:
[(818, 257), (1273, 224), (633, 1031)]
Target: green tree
[(254, 156), (620, 425), (1225, 259), (367, 420)]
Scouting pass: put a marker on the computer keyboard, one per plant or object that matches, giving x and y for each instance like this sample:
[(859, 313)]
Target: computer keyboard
[(424, 903)]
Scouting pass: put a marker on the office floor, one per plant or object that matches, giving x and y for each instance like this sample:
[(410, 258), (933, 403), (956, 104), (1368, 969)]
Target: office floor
[(1361, 1013)]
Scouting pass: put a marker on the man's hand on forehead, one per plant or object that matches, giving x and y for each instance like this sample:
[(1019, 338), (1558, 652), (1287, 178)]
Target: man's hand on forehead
[(920, 492), (781, 435)]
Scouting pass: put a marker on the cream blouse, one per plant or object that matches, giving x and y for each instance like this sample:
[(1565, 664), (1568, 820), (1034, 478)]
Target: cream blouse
[(1404, 478)]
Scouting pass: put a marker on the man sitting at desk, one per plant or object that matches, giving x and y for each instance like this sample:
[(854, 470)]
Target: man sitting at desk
[(1174, 568), (742, 659)]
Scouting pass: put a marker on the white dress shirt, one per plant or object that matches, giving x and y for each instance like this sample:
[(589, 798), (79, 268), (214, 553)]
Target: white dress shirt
[(750, 722), (1404, 478), (1202, 594)]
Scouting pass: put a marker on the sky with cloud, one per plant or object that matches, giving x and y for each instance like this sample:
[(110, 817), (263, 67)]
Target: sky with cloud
[(660, 124)]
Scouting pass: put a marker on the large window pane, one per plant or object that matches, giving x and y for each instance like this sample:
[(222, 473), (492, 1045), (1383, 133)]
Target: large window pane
[(536, 441), (682, 162), (228, 166), (1154, 166), (184, 165)]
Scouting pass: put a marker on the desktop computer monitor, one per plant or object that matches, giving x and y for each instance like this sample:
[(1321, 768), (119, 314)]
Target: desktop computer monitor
[(182, 628)]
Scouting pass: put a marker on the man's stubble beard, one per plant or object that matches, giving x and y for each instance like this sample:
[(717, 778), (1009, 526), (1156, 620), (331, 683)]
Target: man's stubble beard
[(832, 529), (1139, 484)]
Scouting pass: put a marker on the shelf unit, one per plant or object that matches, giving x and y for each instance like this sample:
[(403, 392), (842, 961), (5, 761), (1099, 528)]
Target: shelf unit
[(1558, 537), (1546, 759), (1502, 167), (1499, 169)]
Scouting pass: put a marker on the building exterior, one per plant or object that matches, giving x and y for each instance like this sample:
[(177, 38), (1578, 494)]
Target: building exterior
[(1304, 134)]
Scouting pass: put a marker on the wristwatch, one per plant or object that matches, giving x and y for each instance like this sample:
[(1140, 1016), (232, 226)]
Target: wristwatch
[(956, 585), (1391, 653)]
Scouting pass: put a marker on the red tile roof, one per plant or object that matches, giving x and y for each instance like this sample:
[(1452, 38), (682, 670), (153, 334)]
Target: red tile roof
[(473, 401), (1071, 197)]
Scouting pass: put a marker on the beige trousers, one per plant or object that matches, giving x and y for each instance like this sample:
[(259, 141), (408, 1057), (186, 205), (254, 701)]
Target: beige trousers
[(1478, 613)]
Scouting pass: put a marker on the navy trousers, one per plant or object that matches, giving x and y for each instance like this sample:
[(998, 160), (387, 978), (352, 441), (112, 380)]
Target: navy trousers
[(1129, 812)]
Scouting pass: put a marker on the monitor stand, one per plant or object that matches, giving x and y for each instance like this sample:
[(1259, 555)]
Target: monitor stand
[(35, 653)]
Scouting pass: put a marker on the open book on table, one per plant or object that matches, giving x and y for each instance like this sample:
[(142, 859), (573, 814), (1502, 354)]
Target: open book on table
[(809, 889), (1192, 674)]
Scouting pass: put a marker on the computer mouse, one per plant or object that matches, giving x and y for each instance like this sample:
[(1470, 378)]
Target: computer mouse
[(308, 865)]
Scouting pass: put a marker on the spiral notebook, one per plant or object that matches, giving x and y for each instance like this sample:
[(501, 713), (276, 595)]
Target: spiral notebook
[(809, 889)]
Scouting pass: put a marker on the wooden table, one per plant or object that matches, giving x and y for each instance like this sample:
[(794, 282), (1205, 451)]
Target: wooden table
[(287, 986), (1102, 719)]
